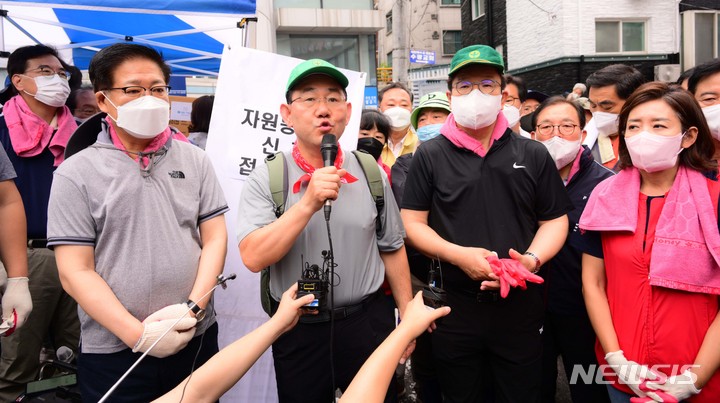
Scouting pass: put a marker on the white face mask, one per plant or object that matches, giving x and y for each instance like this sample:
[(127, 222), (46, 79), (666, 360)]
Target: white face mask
[(562, 151), (51, 90), (399, 117), (652, 152), (475, 110), (606, 123), (712, 115), (143, 118), (512, 114)]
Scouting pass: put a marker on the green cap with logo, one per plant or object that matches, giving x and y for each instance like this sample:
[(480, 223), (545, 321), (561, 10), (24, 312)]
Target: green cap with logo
[(315, 66), (477, 54), (431, 100)]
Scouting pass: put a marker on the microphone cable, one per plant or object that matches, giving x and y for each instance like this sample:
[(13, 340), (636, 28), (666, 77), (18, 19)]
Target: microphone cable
[(332, 305)]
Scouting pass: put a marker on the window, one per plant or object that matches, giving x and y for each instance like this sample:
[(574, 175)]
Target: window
[(700, 37), (342, 51), (450, 2), (389, 59), (478, 8), (388, 22), (619, 36), (326, 4), (452, 42)]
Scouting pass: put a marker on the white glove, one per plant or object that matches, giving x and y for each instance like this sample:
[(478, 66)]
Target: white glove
[(17, 299), (680, 387), (175, 340), (630, 373), (175, 312)]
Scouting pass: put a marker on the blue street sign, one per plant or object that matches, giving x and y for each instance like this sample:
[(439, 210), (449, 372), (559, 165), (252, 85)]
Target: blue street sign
[(422, 56), (371, 97)]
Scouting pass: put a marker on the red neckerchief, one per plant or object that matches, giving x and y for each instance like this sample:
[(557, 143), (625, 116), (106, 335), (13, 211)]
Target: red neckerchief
[(309, 169)]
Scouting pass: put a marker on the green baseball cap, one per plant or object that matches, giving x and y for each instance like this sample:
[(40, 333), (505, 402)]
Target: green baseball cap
[(315, 66), (479, 54), (431, 100)]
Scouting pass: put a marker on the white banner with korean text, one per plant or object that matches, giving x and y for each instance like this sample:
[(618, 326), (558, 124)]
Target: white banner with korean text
[(246, 127)]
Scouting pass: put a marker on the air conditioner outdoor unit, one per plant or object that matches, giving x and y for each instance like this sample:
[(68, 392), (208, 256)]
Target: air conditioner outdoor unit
[(667, 72)]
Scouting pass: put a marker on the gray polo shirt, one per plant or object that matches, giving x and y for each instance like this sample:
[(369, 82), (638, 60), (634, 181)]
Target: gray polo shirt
[(143, 226), (359, 271), (7, 171)]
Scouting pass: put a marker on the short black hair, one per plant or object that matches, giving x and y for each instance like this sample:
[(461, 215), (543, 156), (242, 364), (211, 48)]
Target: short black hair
[(684, 76), (71, 102), (17, 64), (374, 119), (556, 100), (74, 77), (626, 79), (519, 83), (702, 72), (201, 113), (394, 85), (105, 62)]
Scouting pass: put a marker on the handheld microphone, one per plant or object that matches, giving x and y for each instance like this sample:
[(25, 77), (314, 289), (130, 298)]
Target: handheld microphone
[(328, 150)]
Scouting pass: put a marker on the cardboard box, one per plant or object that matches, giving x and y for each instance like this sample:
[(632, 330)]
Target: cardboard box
[(180, 108)]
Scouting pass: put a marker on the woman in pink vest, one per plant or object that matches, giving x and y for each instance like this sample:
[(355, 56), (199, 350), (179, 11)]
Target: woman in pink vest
[(651, 278)]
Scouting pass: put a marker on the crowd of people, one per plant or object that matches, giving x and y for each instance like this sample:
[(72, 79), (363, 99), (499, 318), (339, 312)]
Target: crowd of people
[(580, 226)]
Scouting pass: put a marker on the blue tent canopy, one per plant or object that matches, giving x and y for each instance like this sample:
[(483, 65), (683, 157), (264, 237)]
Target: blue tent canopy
[(93, 24)]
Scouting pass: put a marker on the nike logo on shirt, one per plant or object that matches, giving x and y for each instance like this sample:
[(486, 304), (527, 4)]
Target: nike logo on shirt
[(516, 166)]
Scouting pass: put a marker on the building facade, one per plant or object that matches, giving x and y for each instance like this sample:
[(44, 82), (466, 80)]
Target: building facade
[(418, 40), (554, 44)]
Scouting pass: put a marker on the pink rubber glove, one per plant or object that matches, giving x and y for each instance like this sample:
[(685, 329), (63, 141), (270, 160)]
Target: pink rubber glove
[(497, 268), (676, 388), (520, 272), (664, 397)]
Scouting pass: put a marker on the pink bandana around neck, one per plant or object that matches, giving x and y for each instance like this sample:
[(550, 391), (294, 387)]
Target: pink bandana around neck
[(686, 248), (463, 140), (309, 169), (154, 145), (30, 134)]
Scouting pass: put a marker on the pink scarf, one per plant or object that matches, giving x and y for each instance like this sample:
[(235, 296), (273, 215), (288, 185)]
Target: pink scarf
[(309, 169), (462, 140), (686, 249), (153, 146), (30, 134)]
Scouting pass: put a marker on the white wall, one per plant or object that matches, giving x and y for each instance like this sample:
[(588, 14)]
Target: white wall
[(568, 27), (420, 28)]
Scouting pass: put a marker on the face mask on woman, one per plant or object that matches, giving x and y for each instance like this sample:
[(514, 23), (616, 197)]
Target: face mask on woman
[(652, 152), (371, 146)]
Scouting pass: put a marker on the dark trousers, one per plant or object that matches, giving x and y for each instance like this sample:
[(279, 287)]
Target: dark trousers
[(302, 355), (573, 338), (490, 351), (97, 373), (426, 383)]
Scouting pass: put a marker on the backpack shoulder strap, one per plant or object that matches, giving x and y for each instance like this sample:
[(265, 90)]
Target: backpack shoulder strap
[(374, 180), (277, 169), (277, 172)]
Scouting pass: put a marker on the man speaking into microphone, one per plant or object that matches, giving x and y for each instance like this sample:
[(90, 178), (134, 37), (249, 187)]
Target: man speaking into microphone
[(290, 241)]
